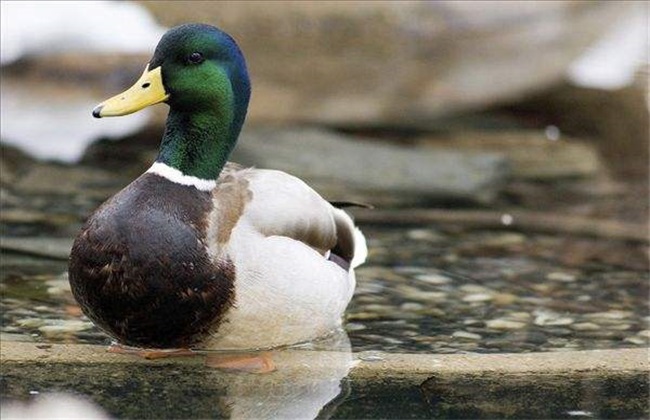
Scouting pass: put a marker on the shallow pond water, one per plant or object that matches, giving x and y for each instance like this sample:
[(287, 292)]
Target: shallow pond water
[(423, 290)]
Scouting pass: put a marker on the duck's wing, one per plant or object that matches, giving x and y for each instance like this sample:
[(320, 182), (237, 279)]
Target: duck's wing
[(274, 203)]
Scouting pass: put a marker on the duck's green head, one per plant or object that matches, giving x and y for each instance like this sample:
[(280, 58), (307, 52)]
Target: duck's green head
[(200, 72), (195, 67)]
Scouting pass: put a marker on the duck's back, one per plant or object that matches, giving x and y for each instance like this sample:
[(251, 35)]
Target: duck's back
[(140, 269)]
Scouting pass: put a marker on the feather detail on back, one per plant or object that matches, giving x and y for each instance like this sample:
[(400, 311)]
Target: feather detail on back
[(274, 204), (278, 204)]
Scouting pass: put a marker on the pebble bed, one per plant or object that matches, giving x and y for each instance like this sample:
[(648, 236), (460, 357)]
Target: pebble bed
[(423, 290), (423, 293)]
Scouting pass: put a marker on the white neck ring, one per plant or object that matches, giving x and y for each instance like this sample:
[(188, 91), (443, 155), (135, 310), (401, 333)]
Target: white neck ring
[(178, 177)]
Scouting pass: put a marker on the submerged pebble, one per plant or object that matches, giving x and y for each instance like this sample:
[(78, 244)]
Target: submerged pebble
[(64, 327), (533, 337), (560, 276), (644, 333), (610, 315), (466, 335), (549, 318), (411, 307), (524, 316), (620, 327), (58, 285), (31, 322), (413, 293), (636, 340), (474, 288), (585, 326), (353, 326), (504, 299), (433, 278), (505, 324), (424, 235), (477, 297)]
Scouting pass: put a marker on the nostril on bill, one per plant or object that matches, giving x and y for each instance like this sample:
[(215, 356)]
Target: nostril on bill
[(146, 85)]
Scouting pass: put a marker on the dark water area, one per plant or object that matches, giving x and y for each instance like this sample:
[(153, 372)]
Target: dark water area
[(182, 392)]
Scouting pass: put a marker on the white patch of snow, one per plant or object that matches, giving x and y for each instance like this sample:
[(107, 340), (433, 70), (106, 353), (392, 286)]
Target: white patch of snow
[(57, 126), (31, 28), (611, 63)]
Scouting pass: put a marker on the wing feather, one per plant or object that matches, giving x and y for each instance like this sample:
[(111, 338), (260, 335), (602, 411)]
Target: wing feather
[(284, 205), (275, 203)]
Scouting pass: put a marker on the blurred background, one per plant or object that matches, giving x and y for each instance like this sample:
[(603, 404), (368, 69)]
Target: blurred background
[(503, 141), (460, 101)]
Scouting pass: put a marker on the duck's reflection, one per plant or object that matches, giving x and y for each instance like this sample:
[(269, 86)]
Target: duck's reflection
[(305, 384), (304, 381)]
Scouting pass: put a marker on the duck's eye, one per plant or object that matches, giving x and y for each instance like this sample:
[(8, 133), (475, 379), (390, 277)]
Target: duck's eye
[(195, 58)]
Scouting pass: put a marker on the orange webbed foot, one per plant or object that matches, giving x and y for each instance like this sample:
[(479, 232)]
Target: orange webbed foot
[(245, 362), (149, 353)]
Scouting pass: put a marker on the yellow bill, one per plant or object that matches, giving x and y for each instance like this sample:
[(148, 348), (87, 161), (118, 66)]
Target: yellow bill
[(148, 90)]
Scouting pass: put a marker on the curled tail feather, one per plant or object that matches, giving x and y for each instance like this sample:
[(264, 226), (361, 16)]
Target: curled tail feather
[(351, 244)]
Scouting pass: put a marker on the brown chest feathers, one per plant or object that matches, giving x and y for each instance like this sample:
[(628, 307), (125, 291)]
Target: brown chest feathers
[(140, 268)]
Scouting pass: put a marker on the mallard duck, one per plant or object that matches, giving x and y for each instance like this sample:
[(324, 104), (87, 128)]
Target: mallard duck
[(199, 252)]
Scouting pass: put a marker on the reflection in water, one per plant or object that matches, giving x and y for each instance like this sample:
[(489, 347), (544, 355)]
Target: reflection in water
[(304, 382)]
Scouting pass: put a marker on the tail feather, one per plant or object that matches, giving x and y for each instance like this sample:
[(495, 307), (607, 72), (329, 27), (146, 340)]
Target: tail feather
[(360, 248), (351, 244), (344, 204)]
